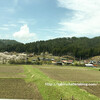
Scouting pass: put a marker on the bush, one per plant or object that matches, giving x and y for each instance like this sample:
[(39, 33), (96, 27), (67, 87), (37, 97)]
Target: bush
[(78, 64), (46, 62), (16, 62), (37, 63)]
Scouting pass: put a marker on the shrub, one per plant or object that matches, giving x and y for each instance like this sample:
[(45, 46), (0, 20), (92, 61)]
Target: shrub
[(37, 63), (16, 62)]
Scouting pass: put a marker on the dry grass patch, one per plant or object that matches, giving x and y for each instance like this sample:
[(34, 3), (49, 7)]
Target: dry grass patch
[(11, 71), (18, 89)]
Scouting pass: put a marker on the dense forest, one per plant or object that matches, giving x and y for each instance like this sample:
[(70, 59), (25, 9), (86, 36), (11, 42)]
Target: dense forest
[(5, 42), (82, 47)]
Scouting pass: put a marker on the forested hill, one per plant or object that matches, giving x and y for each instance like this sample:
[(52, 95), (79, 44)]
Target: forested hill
[(82, 47), (6, 42)]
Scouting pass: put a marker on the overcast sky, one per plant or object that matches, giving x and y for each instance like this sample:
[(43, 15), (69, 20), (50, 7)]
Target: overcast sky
[(32, 20)]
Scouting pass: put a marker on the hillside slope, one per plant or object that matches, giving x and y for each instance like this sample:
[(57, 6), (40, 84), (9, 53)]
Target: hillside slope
[(5, 42), (82, 47)]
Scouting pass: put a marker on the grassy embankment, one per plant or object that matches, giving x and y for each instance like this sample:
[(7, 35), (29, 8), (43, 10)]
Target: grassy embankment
[(55, 92)]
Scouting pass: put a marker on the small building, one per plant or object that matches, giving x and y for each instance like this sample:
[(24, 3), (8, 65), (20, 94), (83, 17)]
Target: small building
[(52, 59), (98, 62), (86, 61), (46, 59), (54, 62), (92, 62), (64, 61), (69, 61)]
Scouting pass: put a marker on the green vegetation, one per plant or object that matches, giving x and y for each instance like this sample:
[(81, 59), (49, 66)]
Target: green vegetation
[(81, 48), (55, 92), (31, 82), (92, 89), (7, 43)]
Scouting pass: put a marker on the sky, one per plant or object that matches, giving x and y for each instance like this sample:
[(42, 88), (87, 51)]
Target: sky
[(34, 20)]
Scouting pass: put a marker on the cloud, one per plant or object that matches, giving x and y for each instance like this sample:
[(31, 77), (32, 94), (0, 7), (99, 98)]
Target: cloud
[(85, 18), (24, 34)]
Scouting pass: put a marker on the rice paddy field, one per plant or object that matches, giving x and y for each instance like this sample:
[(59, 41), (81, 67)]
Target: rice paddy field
[(48, 82), (95, 90), (72, 74), (11, 71), (14, 86)]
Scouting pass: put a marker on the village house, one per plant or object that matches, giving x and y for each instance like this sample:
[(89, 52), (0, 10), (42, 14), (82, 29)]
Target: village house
[(70, 62)]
